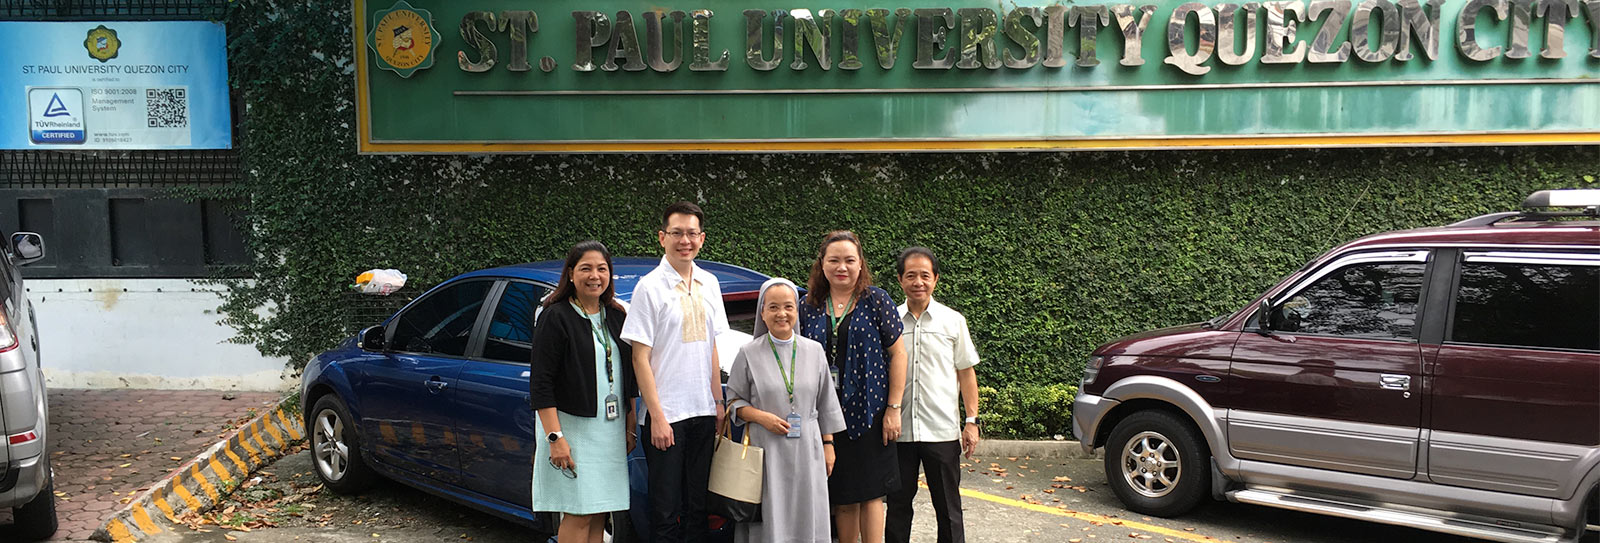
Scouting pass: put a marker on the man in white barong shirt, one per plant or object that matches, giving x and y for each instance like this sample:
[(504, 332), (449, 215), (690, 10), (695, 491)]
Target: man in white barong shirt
[(673, 321)]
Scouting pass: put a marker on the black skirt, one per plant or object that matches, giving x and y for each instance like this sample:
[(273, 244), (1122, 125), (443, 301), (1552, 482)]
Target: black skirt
[(863, 469)]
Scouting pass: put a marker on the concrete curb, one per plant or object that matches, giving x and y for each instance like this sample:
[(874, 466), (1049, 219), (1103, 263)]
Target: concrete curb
[(1065, 449), (200, 483)]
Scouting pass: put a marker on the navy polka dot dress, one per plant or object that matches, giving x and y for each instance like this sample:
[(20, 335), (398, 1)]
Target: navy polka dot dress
[(865, 468)]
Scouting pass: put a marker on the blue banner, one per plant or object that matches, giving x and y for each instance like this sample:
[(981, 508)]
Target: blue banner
[(114, 85)]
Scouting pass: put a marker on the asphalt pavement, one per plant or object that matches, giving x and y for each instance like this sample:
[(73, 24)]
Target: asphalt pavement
[(1006, 499)]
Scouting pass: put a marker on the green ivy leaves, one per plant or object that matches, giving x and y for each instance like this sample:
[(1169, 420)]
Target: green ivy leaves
[(1047, 254)]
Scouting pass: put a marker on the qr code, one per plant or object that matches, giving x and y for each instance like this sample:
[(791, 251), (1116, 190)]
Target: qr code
[(167, 108)]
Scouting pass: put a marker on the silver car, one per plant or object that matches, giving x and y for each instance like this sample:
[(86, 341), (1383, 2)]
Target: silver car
[(25, 482)]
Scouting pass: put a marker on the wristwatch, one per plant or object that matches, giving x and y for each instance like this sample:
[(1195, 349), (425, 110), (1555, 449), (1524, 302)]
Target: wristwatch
[(554, 436), (972, 421), (894, 406)]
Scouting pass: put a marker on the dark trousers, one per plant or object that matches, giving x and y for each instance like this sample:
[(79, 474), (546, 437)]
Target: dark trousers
[(678, 480), (942, 464)]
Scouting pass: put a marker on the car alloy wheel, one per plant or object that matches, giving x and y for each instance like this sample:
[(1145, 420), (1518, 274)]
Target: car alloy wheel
[(328, 445), (1151, 464), (1156, 462)]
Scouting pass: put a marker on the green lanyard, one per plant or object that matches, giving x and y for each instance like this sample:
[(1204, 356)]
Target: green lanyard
[(834, 321), (833, 329), (788, 380), (604, 339)]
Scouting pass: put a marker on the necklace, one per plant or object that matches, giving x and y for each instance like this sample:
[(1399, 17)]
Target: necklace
[(839, 306)]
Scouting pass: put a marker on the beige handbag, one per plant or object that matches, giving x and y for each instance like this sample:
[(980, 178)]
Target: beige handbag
[(736, 478)]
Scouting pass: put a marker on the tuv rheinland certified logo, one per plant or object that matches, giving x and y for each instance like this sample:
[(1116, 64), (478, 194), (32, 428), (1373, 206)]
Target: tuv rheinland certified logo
[(55, 115)]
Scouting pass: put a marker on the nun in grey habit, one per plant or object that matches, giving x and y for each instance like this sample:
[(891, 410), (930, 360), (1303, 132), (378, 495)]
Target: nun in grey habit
[(779, 377)]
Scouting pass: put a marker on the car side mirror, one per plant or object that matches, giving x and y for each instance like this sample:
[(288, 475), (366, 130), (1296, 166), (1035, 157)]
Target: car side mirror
[(371, 339), (27, 247), (1264, 318)]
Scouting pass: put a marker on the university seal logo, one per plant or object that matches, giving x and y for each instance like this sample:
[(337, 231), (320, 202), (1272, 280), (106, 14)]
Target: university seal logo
[(403, 39), (102, 43)]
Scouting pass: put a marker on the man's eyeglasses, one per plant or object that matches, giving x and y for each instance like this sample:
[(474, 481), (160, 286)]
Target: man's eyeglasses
[(683, 234), (567, 471)]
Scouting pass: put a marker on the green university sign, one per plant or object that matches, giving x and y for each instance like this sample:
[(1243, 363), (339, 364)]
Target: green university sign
[(757, 75)]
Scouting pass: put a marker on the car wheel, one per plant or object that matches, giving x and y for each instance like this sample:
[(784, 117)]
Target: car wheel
[(336, 447), (36, 520), (619, 529), (1158, 463)]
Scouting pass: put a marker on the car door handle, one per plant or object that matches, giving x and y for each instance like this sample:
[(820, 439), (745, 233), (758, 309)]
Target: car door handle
[(1395, 382), (435, 384)]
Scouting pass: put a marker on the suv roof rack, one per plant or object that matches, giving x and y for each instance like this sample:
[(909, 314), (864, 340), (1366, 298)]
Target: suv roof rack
[(1541, 206)]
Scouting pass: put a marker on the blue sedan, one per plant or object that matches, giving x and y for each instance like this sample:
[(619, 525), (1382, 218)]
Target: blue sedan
[(437, 398)]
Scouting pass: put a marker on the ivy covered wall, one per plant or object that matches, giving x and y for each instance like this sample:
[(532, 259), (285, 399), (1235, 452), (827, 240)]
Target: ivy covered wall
[(1047, 254)]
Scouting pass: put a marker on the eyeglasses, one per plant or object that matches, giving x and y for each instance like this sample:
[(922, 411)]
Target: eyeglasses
[(684, 234), (567, 471)]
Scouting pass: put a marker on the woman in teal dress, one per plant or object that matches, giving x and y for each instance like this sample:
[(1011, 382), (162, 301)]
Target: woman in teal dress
[(580, 383)]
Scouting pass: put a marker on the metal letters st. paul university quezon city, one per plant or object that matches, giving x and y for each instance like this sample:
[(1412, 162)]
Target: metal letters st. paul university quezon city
[(629, 76)]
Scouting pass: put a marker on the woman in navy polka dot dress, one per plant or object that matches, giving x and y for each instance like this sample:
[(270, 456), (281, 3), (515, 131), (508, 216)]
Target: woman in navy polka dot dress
[(859, 328)]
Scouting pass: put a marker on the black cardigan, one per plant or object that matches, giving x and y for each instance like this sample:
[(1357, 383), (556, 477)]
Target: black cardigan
[(562, 373)]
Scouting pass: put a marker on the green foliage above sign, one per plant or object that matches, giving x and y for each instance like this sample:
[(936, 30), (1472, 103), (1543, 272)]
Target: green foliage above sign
[(621, 75)]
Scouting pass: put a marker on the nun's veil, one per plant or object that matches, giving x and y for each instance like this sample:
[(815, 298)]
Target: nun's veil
[(761, 301)]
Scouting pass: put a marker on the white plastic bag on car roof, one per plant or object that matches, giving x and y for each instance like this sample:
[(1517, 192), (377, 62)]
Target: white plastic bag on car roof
[(380, 282)]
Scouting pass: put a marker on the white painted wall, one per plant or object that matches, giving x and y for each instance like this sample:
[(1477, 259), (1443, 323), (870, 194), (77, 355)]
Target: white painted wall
[(144, 333)]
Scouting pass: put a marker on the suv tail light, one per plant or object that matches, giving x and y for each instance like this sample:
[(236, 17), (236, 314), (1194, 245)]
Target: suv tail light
[(8, 337), (18, 439), (1091, 370)]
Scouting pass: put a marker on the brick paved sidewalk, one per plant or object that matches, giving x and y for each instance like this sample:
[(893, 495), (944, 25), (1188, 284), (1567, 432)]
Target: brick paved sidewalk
[(107, 445)]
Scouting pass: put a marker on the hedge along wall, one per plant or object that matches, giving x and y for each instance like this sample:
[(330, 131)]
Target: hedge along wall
[(1047, 254)]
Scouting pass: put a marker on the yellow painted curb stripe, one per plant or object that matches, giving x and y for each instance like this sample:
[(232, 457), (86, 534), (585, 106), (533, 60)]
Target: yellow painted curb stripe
[(119, 531), (294, 431), (160, 500), (1087, 517), (272, 430), (217, 469), (386, 429), (418, 437), (205, 484), (237, 462), (255, 457), (183, 493), (449, 437), (266, 448), (141, 518)]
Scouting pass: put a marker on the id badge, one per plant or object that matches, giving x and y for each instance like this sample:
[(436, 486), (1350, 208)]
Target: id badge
[(794, 426), (612, 404), (834, 372)]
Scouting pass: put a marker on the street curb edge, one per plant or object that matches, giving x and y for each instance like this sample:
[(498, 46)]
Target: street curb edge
[(199, 484), (1065, 449)]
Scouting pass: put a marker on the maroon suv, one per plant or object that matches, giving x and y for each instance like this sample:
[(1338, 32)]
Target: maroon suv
[(1446, 379)]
